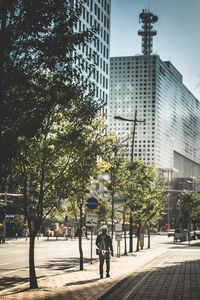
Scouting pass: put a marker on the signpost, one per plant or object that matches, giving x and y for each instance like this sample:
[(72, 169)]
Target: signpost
[(91, 217), (118, 236)]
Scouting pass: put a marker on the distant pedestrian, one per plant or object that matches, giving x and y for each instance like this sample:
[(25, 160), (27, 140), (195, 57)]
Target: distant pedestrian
[(105, 249)]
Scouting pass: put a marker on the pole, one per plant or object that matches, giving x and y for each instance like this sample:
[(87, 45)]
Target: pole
[(133, 138), (118, 248), (135, 121), (91, 245), (132, 156)]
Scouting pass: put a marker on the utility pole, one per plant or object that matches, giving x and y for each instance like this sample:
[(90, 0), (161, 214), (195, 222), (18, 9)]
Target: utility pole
[(135, 121)]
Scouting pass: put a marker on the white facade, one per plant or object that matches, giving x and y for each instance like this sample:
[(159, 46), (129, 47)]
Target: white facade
[(154, 88), (97, 13)]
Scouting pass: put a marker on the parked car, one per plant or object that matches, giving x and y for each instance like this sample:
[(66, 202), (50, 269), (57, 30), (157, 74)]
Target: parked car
[(181, 235), (197, 232), (171, 232), (192, 235)]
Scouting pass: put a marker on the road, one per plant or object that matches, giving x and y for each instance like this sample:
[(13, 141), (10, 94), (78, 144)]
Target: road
[(51, 257)]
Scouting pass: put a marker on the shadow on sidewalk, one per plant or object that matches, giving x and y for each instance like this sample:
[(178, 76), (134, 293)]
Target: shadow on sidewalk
[(63, 264), (82, 282), (9, 282)]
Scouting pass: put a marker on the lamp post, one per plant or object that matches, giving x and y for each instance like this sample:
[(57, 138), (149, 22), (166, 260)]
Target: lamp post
[(135, 121)]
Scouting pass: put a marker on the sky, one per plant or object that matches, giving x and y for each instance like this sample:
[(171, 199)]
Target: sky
[(177, 39)]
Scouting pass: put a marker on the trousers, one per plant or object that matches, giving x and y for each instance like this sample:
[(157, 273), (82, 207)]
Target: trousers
[(102, 257)]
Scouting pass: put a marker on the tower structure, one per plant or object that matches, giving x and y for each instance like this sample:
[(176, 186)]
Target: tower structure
[(147, 32), (170, 136)]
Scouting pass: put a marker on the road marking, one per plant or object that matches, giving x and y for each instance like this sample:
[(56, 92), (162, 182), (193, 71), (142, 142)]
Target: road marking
[(9, 272), (4, 264)]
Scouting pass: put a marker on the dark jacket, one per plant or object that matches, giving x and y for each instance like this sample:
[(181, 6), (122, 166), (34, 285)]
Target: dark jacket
[(104, 242)]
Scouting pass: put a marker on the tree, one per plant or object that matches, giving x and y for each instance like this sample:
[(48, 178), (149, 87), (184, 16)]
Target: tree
[(104, 210), (17, 222), (189, 207), (30, 49), (91, 146), (43, 105), (113, 157), (47, 162), (147, 191)]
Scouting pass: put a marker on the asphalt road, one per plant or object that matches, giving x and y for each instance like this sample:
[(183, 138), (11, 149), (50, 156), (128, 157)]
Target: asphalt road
[(51, 257)]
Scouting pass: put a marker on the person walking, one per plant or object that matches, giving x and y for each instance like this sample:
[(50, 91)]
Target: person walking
[(105, 249)]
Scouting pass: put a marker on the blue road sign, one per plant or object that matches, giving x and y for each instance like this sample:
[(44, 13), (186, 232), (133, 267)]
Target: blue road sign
[(92, 203)]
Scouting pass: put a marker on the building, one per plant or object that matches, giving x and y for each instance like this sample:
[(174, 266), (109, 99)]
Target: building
[(96, 13), (143, 87)]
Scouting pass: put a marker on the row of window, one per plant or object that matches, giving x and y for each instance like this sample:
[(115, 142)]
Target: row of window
[(102, 32), (104, 4), (100, 79)]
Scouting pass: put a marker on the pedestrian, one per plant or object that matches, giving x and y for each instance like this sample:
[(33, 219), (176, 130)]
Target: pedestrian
[(105, 249)]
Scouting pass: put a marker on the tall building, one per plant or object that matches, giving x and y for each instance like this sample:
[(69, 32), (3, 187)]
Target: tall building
[(169, 137), (96, 13)]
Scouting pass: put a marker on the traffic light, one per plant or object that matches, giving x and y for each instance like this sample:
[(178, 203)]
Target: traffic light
[(193, 220)]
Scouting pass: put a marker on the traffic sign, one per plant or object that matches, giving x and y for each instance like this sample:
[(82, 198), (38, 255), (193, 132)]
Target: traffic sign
[(118, 236), (118, 227), (91, 219), (92, 203)]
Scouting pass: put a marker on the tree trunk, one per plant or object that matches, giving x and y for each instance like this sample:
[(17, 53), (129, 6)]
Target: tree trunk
[(124, 225), (80, 249), (138, 239), (131, 235), (148, 231), (32, 273), (80, 236), (112, 218)]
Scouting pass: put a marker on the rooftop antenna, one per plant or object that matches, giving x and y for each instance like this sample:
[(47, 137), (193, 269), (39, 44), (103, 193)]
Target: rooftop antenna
[(149, 5), (147, 32)]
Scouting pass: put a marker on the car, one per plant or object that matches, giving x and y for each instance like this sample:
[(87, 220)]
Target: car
[(171, 232), (181, 235), (192, 235)]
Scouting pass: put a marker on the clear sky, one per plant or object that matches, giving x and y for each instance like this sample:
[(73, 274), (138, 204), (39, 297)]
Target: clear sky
[(177, 39)]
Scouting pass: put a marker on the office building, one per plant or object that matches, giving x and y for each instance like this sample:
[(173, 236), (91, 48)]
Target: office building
[(170, 136), (96, 13)]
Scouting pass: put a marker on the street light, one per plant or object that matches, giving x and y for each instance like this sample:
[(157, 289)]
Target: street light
[(135, 121)]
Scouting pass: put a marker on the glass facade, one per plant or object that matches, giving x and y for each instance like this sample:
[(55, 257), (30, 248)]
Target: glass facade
[(154, 88)]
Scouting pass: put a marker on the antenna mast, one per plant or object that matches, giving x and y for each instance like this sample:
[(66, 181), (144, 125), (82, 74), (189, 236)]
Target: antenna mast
[(147, 32)]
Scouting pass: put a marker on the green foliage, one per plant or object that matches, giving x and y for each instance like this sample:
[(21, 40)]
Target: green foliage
[(104, 210), (144, 192), (113, 158), (18, 222), (189, 204), (37, 68)]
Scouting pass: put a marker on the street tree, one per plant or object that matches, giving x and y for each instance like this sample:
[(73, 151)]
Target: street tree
[(113, 157), (147, 194), (36, 37), (90, 148), (47, 162), (189, 207)]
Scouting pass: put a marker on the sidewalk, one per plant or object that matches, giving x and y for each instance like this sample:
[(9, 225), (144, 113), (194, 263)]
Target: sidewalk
[(76, 285)]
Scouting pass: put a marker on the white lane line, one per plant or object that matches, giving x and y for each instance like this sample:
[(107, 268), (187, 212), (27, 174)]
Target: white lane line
[(4, 264), (9, 272)]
